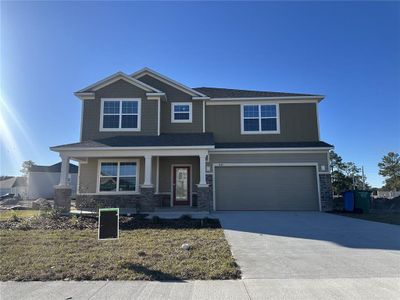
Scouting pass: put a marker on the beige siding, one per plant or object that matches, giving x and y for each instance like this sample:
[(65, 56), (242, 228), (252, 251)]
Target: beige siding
[(122, 89), (320, 158), (298, 122), (165, 171), (176, 95)]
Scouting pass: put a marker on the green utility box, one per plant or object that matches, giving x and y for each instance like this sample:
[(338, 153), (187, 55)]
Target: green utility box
[(362, 200)]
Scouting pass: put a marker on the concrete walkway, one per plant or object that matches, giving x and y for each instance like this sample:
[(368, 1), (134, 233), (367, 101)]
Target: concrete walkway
[(339, 288)]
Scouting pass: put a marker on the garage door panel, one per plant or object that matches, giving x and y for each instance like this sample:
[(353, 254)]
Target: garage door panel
[(266, 188)]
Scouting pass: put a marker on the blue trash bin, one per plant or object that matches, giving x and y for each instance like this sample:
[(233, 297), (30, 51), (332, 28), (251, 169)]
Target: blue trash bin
[(348, 199)]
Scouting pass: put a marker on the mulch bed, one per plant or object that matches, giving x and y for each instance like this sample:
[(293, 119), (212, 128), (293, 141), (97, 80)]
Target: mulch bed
[(45, 222)]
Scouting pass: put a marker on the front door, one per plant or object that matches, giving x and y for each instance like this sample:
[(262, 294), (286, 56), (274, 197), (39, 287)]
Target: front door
[(181, 185)]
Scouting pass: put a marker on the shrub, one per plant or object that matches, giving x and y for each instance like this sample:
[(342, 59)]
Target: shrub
[(25, 225), (51, 214), (14, 217), (139, 217), (156, 220), (186, 217), (74, 220)]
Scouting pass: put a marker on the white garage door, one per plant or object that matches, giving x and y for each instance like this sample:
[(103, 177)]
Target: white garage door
[(266, 188)]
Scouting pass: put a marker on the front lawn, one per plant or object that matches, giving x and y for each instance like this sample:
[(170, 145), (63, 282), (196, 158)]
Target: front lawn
[(390, 218), (150, 252)]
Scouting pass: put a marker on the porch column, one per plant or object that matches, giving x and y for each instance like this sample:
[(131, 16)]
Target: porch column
[(202, 182), (64, 170), (147, 171), (62, 191)]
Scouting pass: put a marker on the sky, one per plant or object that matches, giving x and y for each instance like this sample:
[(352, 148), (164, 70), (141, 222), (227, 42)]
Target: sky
[(348, 51)]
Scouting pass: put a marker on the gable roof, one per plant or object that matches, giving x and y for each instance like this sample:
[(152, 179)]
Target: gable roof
[(199, 93), (117, 76), (167, 80), (56, 168), (213, 92)]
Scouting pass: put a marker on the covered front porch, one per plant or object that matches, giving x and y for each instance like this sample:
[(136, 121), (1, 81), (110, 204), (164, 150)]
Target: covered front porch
[(139, 180)]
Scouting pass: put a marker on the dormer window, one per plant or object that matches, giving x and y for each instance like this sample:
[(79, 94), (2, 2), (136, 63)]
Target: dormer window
[(120, 114), (259, 118), (181, 112)]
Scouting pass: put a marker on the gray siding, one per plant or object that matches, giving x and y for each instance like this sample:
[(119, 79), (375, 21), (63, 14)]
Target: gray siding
[(266, 188), (176, 95), (320, 158), (122, 89), (165, 171), (88, 173), (298, 123)]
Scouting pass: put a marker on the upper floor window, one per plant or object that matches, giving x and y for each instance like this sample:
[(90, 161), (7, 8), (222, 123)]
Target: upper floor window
[(120, 114), (181, 112), (260, 118)]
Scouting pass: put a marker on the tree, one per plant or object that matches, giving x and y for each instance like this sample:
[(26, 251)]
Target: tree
[(340, 182), (345, 175), (336, 162), (26, 166), (389, 167)]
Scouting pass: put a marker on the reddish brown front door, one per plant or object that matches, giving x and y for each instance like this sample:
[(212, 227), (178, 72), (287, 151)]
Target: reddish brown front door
[(181, 185)]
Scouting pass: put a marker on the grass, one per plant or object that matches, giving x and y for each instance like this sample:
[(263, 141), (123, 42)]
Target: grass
[(142, 254), (389, 218), (7, 214)]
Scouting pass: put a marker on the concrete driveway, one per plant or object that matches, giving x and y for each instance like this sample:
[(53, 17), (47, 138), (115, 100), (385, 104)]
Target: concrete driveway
[(307, 245)]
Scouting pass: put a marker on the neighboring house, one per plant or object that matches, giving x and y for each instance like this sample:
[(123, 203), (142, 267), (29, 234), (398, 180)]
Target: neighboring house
[(14, 185), (42, 179), (148, 141), (388, 194)]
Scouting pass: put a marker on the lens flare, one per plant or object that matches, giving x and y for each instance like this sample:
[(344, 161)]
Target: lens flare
[(12, 126)]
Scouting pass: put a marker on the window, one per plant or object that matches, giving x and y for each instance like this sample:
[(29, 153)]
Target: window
[(120, 115), (181, 112), (260, 118), (118, 176)]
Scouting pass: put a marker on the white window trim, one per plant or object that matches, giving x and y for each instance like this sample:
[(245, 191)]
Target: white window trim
[(173, 104), (278, 126), (117, 192), (139, 114)]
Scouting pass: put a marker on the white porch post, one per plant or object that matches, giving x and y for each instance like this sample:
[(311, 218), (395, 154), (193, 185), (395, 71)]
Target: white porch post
[(64, 170), (147, 171), (202, 170)]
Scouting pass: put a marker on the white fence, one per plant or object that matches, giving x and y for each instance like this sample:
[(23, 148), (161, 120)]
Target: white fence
[(387, 195)]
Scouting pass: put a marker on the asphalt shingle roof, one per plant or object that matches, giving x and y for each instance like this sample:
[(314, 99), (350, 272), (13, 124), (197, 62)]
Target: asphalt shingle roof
[(175, 139), (234, 93), (12, 182), (183, 139), (273, 145), (56, 168)]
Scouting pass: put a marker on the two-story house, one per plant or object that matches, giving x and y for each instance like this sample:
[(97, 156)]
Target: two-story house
[(148, 141)]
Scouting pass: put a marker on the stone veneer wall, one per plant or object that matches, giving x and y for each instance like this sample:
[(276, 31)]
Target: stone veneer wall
[(62, 199), (146, 201), (205, 195), (325, 185)]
